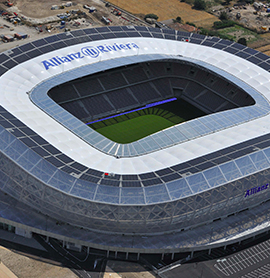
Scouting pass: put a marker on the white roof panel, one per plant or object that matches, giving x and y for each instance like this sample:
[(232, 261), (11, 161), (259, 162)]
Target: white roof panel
[(17, 82)]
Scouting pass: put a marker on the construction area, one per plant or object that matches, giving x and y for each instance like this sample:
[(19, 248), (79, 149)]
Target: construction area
[(254, 16), (24, 20), (43, 12), (20, 20)]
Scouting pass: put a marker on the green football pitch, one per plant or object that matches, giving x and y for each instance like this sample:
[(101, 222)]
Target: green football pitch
[(133, 126), (134, 129)]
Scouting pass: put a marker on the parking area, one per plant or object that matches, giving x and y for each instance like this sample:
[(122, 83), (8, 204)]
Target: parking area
[(245, 259), (262, 272)]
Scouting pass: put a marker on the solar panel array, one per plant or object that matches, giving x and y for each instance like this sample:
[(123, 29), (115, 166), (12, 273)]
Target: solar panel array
[(30, 50), (192, 176)]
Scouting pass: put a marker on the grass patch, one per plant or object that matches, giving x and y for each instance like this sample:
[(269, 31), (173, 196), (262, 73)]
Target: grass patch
[(134, 129), (133, 126), (235, 32)]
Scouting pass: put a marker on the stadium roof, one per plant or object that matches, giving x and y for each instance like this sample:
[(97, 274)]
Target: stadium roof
[(229, 128), (26, 76)]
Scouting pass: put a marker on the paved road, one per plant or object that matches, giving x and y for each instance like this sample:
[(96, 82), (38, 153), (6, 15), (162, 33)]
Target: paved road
[(82, 264), (239, 262)]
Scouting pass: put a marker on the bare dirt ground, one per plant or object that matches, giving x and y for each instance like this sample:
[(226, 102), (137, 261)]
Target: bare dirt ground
[(25, 267), (265, 49), (118, 269), (42, 8), (39, 12), (167, 9), (5, 272)]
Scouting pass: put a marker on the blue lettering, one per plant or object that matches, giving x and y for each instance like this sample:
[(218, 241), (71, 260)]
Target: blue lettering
[(53, 62), (111, 47), (255, 190), (102, 49), (123, 46), (60, 59), (117, 46), (59, 63), (66, 59), (134, 45), (47, 64), (76, 55), (70, 56), (89, 51)]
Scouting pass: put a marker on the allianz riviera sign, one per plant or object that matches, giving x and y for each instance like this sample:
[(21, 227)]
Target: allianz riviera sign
[(256, 189), (89, 51)]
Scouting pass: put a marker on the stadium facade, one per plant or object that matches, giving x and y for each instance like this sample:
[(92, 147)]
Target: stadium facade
[(200, 184)]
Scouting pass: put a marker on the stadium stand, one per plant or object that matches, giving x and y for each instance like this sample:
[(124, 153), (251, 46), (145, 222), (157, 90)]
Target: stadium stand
[(121, 98), (202, 88)]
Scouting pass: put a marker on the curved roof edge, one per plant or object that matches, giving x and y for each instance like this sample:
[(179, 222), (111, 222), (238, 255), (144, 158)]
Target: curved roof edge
[(161, 139)]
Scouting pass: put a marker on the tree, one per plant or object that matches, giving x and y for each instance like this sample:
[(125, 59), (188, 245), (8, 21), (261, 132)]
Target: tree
[(151, 16), (178, 19), (199, 5), (190, 23), (223, 24), (228, 2), (242, 41), (223, 16)]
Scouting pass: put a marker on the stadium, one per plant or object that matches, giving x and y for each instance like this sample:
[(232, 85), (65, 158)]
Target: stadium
[(135, 140)]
